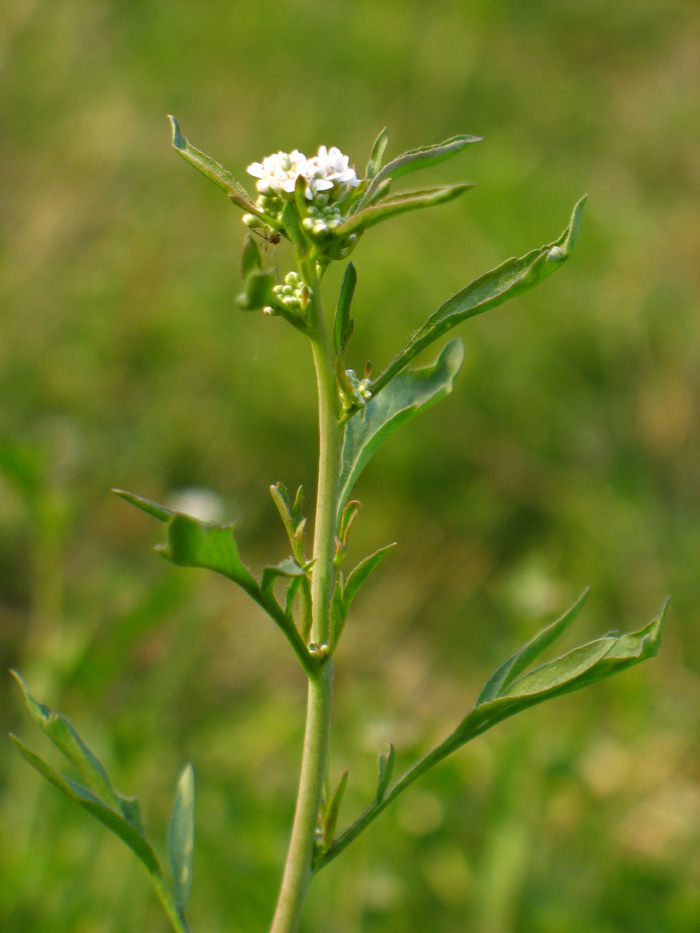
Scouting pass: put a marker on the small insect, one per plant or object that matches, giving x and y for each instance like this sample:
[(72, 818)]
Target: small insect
[(270, 236)]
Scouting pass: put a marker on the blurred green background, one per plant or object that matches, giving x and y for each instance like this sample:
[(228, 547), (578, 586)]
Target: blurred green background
[(567, 455)]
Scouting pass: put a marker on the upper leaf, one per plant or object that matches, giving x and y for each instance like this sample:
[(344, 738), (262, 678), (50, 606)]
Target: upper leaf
[(211, 169), (377, 154), (511, 278), (416, 159), (181, 838), (409, 393), (399, 204)]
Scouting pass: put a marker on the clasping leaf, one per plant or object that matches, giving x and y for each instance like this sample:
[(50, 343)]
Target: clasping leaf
[(410, 392)]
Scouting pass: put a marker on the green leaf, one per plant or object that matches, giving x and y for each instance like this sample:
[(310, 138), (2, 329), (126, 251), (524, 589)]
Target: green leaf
[(522, 659), (160, 512), (106, 814), (409, 393), (511, 278), (579, 668), (386, 764), (192, 543), (399, 204), (211, 169), (360, 574), (251, 257), (377, 154), (420, 158), (60, 731), (292, 517), (287, 568), (333, 811), (258, 291), (181, 838), (344, 325)]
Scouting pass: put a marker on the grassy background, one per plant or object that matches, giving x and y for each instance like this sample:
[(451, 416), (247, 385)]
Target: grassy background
[(567, 455)]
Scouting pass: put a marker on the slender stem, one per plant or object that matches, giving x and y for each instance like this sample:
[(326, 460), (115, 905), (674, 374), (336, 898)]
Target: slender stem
[(165, 897), (298, 870)]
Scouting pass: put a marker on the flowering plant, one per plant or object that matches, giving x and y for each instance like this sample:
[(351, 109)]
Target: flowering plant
[(323, 208)]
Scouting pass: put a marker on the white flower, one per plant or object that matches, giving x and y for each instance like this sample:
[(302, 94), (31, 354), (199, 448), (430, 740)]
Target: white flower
[(332, 166), (277, 174)]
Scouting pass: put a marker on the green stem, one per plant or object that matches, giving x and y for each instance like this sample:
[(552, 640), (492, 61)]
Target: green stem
[(298, 870), (165, 897)]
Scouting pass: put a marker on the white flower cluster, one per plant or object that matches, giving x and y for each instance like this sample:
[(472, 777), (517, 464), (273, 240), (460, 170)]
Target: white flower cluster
[(329, 169)]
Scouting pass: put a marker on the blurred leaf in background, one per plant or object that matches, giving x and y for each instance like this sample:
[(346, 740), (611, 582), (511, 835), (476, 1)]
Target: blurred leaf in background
[(566, 455)]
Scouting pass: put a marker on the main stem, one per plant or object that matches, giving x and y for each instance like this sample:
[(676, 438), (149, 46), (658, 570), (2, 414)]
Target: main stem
[(298, 870)]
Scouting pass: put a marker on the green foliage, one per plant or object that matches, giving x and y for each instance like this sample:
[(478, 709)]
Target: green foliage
[(511, 278), (118, 813), (181, 838), (409, 393)]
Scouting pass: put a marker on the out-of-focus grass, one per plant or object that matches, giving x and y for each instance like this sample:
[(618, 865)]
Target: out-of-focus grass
[(567, 455)]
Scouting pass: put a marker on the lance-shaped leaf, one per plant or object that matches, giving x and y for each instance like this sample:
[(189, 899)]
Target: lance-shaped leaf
[(330, 818), (251, 257), (523, 658), (511, 278), (576, 669), (386, 764), (420, 158), (344, 325), (211, 169), (399, 204), (345, 591), (292, 517), (106, 814), (181, 838), (60, 731), (377, 154), (409, 393)]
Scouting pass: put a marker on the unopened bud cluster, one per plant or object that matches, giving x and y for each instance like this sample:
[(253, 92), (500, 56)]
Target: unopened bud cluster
[(294, 294), (360, 388)]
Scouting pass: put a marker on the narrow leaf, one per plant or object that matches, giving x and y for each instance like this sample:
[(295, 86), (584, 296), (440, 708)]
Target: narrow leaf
[(181, 838), (338, 613), (333, 810), (511, 278), (361, 572), (523, 658), (251, 257), (344, 325), (60, 731), (377, 154), (577, 669), (420, 158), (211, 169), (386, 764), (102, 811), (409, 393), (399, 204), (160, 512)]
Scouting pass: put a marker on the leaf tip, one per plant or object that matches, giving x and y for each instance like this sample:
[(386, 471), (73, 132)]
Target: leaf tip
[(178, 139)]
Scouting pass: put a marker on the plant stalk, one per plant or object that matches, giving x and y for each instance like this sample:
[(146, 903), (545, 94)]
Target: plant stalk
[(298, 870)]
